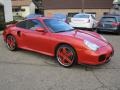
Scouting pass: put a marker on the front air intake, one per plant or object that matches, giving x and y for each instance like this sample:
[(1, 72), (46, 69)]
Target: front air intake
[(102, 58)]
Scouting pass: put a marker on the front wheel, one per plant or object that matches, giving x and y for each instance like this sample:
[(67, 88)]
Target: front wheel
[(11, 43), (66, 55)]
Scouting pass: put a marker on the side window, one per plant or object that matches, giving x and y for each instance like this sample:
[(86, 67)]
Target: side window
[(21, 24), (118, 19), (33, 24), (92, 16)]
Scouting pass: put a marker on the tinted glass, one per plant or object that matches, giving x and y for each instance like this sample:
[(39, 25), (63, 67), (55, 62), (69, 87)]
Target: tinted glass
[(81, 16), (57, 25), (30, 24), (33, 24), (118, 19), (21, 24), (108, 19)]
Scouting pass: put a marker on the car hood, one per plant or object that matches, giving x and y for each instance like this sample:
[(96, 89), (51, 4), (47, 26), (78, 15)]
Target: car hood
[(86, 35)]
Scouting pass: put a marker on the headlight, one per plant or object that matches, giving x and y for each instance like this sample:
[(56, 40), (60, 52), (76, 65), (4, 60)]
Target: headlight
[(103, 38), (91, 45)]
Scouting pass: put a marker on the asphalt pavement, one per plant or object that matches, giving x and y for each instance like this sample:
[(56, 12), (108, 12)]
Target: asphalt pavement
[(26, 70)]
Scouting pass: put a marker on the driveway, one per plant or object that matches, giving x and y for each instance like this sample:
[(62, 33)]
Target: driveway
[(25, 70)]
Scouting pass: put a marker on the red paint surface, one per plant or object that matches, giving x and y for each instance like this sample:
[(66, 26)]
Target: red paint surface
[(46, 43)]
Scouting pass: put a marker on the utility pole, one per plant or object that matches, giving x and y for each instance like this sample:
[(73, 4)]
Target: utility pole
[(83, 6)]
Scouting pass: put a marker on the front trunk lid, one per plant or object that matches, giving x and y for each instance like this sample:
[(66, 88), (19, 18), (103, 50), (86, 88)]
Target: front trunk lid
[(85, 35)]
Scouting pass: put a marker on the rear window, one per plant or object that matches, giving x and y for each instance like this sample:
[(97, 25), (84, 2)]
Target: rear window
[(81, 16), (108, 19), (118, 19)]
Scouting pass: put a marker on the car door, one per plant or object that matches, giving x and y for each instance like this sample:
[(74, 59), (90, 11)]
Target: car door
[(35, 40), (21, 29)]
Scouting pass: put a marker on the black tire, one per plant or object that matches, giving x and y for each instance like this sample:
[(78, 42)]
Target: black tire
[(11, 43), (66, 55)]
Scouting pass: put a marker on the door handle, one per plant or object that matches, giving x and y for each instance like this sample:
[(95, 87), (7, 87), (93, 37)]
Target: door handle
[(19, 33)]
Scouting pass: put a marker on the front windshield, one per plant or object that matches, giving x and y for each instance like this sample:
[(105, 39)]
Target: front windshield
[(57, 25)]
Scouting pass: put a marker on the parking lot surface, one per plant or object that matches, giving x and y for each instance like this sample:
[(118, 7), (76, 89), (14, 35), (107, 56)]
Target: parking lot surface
[(25, 70)]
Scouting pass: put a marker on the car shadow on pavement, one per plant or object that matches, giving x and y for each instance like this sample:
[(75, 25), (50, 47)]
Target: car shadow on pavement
[(44, 58), (50, 61)]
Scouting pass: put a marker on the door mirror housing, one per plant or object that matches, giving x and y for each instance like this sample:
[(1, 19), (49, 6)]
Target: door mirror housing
[(40, 29)]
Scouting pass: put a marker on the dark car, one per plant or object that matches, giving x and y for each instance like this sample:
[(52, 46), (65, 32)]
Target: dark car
[(109, 23)]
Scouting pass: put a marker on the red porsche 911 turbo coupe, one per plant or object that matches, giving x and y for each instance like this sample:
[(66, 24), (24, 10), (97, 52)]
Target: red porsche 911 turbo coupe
[(56, 38)]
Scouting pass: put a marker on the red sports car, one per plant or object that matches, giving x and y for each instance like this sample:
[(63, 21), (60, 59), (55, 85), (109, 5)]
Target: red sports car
[(56, 38)]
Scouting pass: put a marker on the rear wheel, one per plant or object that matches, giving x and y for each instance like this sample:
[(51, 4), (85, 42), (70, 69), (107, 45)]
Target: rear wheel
[(66, 55), (11, 43)]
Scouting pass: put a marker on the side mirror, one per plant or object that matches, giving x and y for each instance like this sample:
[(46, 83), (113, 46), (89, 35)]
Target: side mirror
[(40, 29)]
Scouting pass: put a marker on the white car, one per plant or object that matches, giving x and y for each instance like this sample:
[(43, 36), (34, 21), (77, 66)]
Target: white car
[(83, 21)]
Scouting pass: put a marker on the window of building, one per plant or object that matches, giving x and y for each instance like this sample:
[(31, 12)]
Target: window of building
[(105, 13), (17, 9), (93, 13), (23, 10)]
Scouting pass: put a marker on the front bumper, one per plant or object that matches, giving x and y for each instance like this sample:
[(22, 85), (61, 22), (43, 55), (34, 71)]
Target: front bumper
[(101, 56)]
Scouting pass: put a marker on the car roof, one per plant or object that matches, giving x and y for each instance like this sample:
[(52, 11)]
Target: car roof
[(111, 16)]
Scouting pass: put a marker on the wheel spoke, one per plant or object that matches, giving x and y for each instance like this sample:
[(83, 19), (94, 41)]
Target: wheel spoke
[(64, 50), (65, 56), (8, 41), (69, 54), (68, 60), (63, 60), (11, 42), (61, 56)]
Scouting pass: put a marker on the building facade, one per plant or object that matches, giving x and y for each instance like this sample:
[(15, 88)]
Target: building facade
[(5, 11), (97, 7), (22, 7)]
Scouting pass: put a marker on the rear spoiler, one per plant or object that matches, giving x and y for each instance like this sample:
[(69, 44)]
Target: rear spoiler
[(9, 24)]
